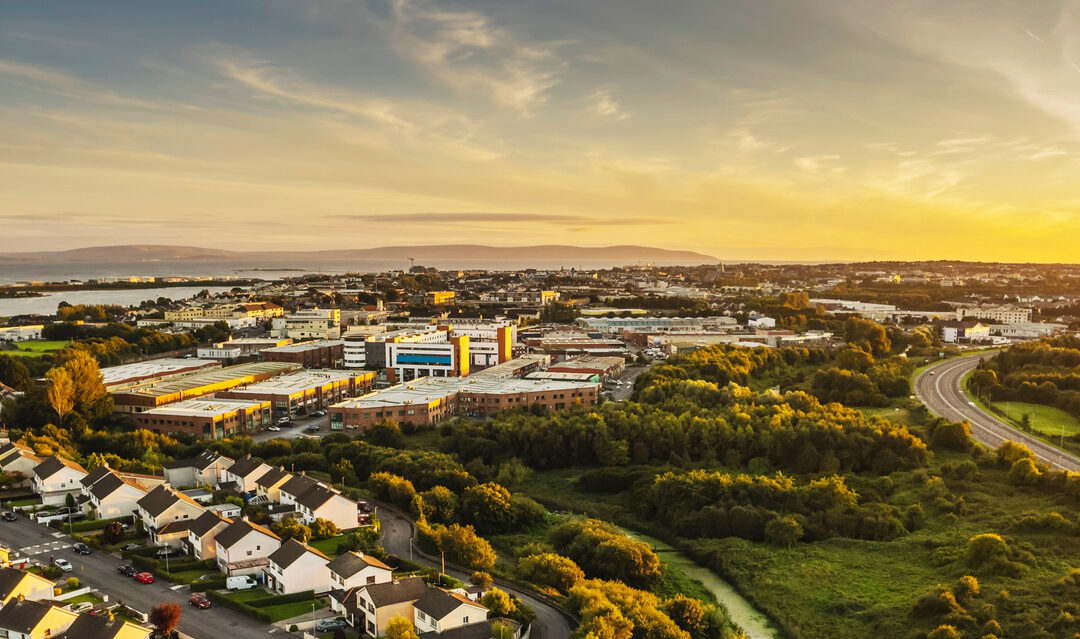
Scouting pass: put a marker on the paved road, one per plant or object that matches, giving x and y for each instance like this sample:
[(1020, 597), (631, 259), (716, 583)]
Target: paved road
[(939, 387), (550, 623), (627, 377), (99, 571), (299, 424)]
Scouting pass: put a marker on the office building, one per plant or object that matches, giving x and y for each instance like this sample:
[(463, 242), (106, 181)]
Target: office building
[(208, 418), (315, 354), (305, 391)]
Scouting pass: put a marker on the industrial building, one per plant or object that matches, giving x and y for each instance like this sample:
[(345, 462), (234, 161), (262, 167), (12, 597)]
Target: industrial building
[(242, 347), (324, 323), (153, 394), (432, 399), (208, 418), (305, 391), (125, 375), (326, 353)]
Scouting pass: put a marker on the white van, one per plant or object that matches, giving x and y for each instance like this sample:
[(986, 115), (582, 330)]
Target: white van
[(243, 582)]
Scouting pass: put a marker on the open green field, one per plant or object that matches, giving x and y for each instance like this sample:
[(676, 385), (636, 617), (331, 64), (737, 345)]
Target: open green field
[(329, 546), (37, 348), (1047, 419)]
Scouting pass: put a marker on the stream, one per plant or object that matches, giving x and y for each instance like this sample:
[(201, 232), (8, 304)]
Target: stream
[(750, 619)]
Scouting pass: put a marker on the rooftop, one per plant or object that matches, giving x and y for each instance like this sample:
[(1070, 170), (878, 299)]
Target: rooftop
[(204, 407), (302, 347), (114, 375), (301, 381), (220, 377), (429, 389)]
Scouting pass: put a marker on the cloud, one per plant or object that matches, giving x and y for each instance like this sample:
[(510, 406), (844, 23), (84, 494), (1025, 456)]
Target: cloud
[(602, 104), (467, 52), (62, 83), (816, 163), (501, 218)]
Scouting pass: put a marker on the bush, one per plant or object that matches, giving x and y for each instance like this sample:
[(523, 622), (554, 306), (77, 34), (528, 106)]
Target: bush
[(944, 632), (217, 583), (1024, 472), (250, 611), (71, 583), (276, 600)]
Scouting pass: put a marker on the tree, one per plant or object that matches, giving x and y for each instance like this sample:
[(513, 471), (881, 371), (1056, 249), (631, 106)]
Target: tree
[(69, 500), (91, 398), (687, 614), (487, 506), (385, 432), (13, 372), (512, 473), (400, 628), (868, 334), (501, 630), (783, 531), (481, 579), (61, 392), (165, 618), (290, 528), (112, 533), (463, 546), (551, 570), (323, 529), (498, 603)]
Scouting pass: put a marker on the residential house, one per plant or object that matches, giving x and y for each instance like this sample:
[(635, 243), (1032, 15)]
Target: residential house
[(355, 569), (244, 472), (295, 567), (481, 630), (320, 502), (88, 626), (113, 495), (203, 531), (268, 487), (243, 547), (16, 584), (208, 467), (371, 607), (19, 462), (289, 492), (439, 610), (163, 506), (28, 619), (55, 478)]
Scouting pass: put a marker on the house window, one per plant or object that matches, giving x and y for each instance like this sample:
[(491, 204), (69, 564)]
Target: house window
[(464, 620), (249, 553), (371, 579)]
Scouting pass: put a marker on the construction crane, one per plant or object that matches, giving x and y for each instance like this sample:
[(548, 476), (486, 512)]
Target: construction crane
[(412, 262)]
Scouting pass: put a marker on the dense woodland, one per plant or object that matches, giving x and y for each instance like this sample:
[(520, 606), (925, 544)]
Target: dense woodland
[(1041, 372)]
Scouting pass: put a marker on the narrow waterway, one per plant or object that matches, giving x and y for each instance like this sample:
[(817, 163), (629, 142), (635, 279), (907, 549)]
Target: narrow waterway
[(741, 611)]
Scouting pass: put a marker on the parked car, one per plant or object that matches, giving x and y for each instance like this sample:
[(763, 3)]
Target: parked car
[(127, 570), (312, 429), (199, 600), (330, 625), (284, 420), (82, 606), (81, 548), (131, 547), (273, 429), (144, 577), (319, 413), (9, 516), (169, 552), (242, 582), (62, 564), (363, 506)]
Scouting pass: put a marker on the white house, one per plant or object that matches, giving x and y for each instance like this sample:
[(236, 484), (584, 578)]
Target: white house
[(20, 584), (438, 611), (28, 619), (112, 495), (208, 467), (244, 472), (760, 321), (56, 478), (372, 606), (320, 502), (294, 487), (163, 506), (268, 487), (202, 534), (18, 461), (243, 547), (294, 567), (354, 569)]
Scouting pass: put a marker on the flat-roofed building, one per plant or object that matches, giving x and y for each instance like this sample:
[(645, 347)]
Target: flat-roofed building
[(208, 418), (305, 391), (128, 375), (324, 353), (430, 400), (324, 323), (241, 347), (602, 366), (149, 395)]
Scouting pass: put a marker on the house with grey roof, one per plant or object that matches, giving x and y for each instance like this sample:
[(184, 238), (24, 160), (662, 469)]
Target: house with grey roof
[(295, 567)]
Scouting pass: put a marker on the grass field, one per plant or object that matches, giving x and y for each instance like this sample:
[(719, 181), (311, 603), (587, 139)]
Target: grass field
[(1046, 421), (37, 348), (84, 598), (329, 546)]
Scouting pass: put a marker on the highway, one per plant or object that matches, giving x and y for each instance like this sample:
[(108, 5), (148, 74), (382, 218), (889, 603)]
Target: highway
[(939, 387), (98, 570)]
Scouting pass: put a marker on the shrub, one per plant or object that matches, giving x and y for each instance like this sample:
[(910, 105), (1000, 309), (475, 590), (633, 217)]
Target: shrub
[(554, 571), (1011, 452), (72, 583), (1024, 472), (944, 632)]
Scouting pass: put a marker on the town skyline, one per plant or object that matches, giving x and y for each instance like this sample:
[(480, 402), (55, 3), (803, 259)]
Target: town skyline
[(813, 131)]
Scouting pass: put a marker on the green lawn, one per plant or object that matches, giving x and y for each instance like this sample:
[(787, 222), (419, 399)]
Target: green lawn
[(290, 610), (1047, 419), (81, 598), (329, 546), (244, 596), (37, 348)]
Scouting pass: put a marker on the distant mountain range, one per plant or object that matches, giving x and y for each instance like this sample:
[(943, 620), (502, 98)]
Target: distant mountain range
[(442, 256)]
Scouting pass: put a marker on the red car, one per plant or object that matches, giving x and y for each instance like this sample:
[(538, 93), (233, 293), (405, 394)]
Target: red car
[(199, 600), (144, 577)]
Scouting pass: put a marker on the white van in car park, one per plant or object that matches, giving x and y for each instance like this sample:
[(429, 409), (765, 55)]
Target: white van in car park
[(243, 582)]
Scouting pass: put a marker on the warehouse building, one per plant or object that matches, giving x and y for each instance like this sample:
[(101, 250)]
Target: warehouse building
[(154, 394), (127, 375), (208, 418), (324, 353), (302, 392)]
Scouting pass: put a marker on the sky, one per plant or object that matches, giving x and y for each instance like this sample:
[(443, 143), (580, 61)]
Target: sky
[(746, 130)]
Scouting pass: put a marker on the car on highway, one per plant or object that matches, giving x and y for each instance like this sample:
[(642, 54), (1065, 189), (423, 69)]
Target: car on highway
[(81, 548), (62, 564), (199, 600), (144, 577), (127, 570), (9, 516), (330, 625)]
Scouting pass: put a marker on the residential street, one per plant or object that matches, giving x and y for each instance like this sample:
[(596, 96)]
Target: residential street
[(550, 623), (99, 570)]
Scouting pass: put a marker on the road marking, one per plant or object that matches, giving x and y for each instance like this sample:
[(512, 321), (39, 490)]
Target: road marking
[(177, 587), (58, 534)]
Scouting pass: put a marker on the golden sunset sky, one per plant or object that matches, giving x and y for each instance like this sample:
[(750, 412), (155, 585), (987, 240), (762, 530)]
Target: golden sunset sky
[(760, 129)]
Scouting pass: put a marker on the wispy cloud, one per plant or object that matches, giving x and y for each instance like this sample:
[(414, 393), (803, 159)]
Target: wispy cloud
[(467, 51), (603, 105), (58, 82)]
